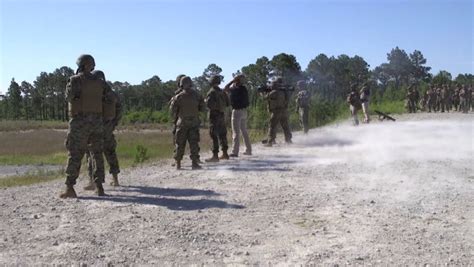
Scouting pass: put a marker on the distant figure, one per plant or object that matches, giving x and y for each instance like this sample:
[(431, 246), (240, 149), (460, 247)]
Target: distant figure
[(278, 107), (411, 99), (432, 99), (186, 107), (303, 99), (112, 114), (438, 99), (456, 99), (353, 99), (239, 100), (85, 94), (444, 98), (217, 101), (464, 93), (365, 99)]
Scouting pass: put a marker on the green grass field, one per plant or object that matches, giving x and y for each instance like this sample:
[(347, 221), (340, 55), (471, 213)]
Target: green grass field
[(46, 146)]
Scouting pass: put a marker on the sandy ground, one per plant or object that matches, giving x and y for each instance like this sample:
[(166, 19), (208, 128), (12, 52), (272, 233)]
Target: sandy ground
[(387, 193)]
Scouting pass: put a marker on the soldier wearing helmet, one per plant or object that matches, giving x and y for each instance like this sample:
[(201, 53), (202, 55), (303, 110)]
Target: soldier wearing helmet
[(217, 101), (112, 115), (186, 107), (86, 95), (278, 107), (302, 105)]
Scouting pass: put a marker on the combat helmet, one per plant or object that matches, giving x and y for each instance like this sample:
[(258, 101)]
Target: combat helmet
[(186, 80), (178, 79), (215, 80), (85, 59), (99, 74)]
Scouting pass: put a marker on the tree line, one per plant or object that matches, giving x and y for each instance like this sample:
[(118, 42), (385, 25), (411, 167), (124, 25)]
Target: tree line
[(328, 79)]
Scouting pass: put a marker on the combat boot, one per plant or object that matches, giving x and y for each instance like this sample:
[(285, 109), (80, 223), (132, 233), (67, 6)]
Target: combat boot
[(224, 156), (196, 165), (178, 165), (115, 181), (69, 193), (214, 158), (99, 189)]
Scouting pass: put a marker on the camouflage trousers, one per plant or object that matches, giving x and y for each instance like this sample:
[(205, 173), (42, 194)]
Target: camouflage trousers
[(218, 131), (279, 116), (85, 134), (411, 106), (304, 118), (110, 146), (187, 130)]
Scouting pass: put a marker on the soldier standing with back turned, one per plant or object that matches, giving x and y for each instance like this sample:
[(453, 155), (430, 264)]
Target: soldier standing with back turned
[(217, 101), (186, 107), (112, 115), (85, 94), (278, 107), (302, 105)]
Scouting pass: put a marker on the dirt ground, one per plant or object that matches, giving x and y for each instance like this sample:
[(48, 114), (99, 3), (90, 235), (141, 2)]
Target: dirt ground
[(390, 193)]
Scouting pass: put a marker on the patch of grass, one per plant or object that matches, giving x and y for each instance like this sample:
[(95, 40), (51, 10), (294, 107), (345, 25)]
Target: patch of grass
[(31, 178)]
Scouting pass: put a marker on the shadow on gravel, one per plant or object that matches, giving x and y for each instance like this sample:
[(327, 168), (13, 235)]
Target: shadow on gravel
[(175, 192), (257, 165), (170, 203)]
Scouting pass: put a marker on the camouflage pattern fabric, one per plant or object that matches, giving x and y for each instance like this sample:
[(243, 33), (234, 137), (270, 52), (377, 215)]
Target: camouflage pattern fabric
[(187, 131), (110, 146), (186, 107), (279, 116), (85, 133), (304, 118), (218, 131)]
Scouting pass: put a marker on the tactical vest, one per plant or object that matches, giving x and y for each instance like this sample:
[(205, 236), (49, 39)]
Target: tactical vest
[(90, 99), (188, 104), (276, 100)]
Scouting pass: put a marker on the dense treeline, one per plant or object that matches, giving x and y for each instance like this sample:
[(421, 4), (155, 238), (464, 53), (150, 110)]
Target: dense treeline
[(328, 78)]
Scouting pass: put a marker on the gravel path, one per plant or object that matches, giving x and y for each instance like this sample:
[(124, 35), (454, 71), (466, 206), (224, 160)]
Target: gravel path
[(390, 193)]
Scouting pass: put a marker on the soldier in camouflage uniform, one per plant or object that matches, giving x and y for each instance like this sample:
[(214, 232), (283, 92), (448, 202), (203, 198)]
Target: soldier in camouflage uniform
[(217, 101), (353, 99), (186, 107), (431, 99), (411, 100), (438, 99), (464, 93), (444, 96), (278, 106), (302, 105), (456, 99), (112, 115), (85, 94)]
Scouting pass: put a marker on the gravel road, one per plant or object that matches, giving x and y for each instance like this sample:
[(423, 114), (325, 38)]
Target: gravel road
[(390, 193)]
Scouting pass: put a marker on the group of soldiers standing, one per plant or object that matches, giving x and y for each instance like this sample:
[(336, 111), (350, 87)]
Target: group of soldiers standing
[(187, 103), (95, 110), (440, 99)]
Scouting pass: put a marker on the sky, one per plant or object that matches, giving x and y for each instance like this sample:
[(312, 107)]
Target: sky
[(134, 40)]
